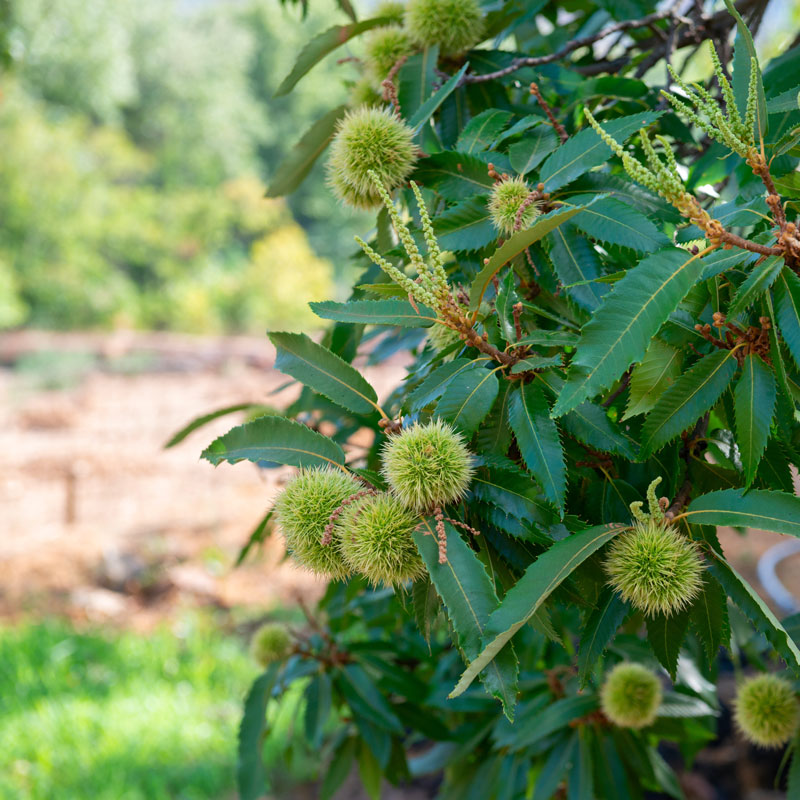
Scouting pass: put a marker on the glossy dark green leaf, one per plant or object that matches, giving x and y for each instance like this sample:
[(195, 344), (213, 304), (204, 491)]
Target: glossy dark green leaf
[(709, 615), (576, 262), (199, 422), (434, 385), (586, 149), (589, 423), (482, 130), (692, 394), (620, 331), (613, 222), (364, 698), (525, 598), (428, 108), (469, 596), (275, 439), (758, 281), (516, 245), (657, 371), (534, 146), (787, 309), (744, 46), (756, 610), (426, 606), (539, 441), (456, 176), (370, 771), (769, 511), (293, 169), (339, 767), (318, 707), (665, 635), (376, 312), (416, 79), (754, 403), (580, 779), (250, 774), (323, 371), (599, 630), (466, 226), (321, 45), (468, 398)]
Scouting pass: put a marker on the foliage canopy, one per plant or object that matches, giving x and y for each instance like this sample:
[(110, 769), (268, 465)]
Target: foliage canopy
[(641, 330)]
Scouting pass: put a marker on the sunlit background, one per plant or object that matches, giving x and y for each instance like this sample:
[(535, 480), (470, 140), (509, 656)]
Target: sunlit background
[(140, 264)]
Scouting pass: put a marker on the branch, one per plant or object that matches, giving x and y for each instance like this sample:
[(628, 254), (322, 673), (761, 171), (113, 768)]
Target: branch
[(574, 44)]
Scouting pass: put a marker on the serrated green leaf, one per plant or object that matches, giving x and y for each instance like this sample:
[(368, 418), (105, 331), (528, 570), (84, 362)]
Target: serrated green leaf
[(580, 780), (785, 101), (517, 244), (539, 441), (613, 222), (620, 331), (198, 422), (758, 281), (428, 108), (426, 605), (559, 760), (468, 398), (321, 45), (741, 69), (586, 149), (494, 436), (370, 771), (754, 403), (479, 133), (318, 707), (250, 774), (665, 635), (549, 338), (275, 439), (589, 423), (576, 262), (434, 385), (525, 598), (720, 261), (504, 304), (536, 723), (293, 169), (709, 615), (323, 371), (376, 312), (657, 371), (759, 508), (694, 393), (787, 310), (532, 149), (537, 363), (466, 226), (756, 610), (599, 630), (469, 596), (415, 80), (455, 176), (339, 768), (364, 698), (515, 493)]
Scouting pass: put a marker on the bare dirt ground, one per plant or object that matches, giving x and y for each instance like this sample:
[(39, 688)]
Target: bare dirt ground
[(101, 523)]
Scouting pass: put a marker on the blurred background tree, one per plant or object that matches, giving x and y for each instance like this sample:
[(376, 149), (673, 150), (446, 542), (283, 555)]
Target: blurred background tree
[(137, 137)]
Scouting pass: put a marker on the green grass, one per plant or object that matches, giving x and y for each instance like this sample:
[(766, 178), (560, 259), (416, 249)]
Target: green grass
[(120, 716)]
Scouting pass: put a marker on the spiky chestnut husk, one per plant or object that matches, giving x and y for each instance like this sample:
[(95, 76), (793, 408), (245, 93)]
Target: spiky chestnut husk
[(363, 93), (504, 203), (302, 510), (384, 47), (455, 25), (631, 696), (766, 710), (427, 465), (270, 643), (369, 139), (376, 539), (392, 11), (655, 568)]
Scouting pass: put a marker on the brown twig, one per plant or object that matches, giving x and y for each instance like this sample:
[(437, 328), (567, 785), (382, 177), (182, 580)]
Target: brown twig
[(557, 126), (574, 44), (623, 385)]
